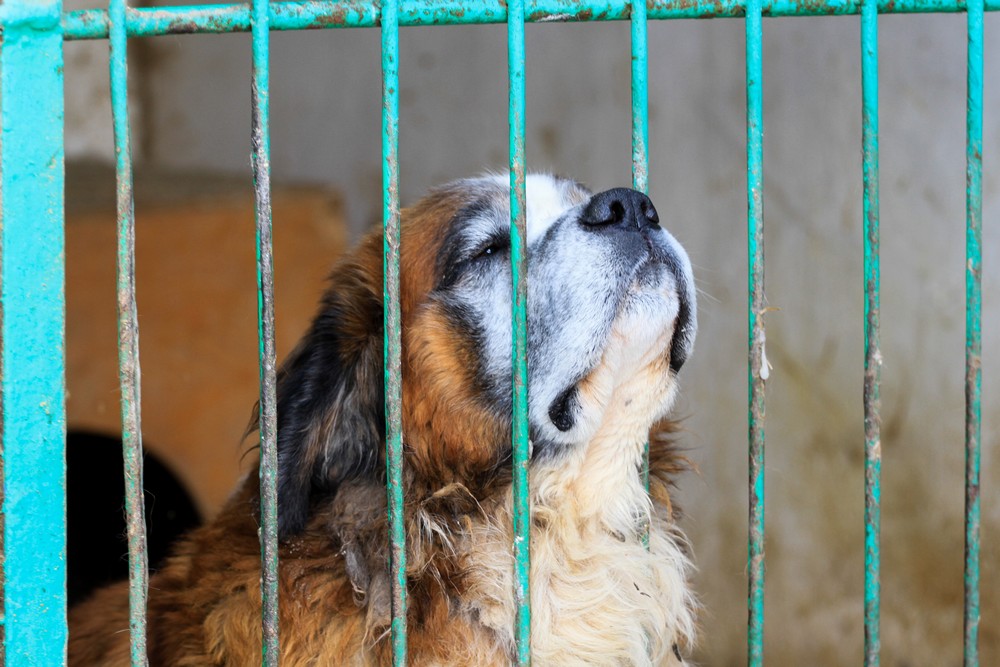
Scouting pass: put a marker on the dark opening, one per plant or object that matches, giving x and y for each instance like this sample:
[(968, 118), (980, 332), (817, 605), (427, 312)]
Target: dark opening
[(97, 547)]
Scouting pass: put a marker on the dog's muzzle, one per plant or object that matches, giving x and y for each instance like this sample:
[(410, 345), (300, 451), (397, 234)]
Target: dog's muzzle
[(632, 214)]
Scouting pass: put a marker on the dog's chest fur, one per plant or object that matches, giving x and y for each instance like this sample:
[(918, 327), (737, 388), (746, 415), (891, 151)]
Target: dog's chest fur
[(597, 597)]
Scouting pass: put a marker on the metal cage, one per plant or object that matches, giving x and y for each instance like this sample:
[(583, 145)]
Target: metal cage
[(32, 297)]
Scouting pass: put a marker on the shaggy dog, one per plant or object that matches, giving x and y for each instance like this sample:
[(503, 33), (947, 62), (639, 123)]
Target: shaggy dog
[(611, 320)]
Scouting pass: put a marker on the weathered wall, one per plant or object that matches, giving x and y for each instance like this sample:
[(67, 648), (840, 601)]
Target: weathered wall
[(325, 115)]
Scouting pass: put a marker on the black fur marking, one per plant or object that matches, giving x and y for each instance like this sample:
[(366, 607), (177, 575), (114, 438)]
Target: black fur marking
[(339, 401), (678, 355), (457, 255), (562, 410)]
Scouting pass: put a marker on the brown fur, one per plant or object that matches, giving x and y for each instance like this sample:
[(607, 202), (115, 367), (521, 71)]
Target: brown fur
[(204, 605)]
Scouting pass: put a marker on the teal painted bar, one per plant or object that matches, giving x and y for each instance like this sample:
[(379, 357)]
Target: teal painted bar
[(973, 338), (640, 142), (261, 159), (32, 335), (393, 328), (519, 324), (640, 99), (148, 21), (873, 353), (755, 328), (128, 342)]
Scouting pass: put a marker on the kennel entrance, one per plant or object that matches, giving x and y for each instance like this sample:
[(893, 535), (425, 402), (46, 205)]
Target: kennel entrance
[(33, 301)]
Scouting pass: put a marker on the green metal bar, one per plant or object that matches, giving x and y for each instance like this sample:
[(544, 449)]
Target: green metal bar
[(32, 336), (319, 14), (519, 324), (640, 99), (873, 354), (128, 341), (755, 324), (261, 141), (640, 142), (391, 313), (973, 315)]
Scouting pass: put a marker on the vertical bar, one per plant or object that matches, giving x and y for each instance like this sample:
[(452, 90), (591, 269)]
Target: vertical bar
[(640, 98), (391, 306), (873, 354), (265, 318), (973, 314), (32, 335), (756, 308), (519, 352), (128, 339), (640, 141)]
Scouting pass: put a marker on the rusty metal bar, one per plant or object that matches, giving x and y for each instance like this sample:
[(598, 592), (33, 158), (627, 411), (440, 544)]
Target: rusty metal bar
[(973, 317), (321, 14), (640, 98), (393, 327), (640, 143), (261, 142), (873, 353), (757, 360), (519, 323), (128, 341)]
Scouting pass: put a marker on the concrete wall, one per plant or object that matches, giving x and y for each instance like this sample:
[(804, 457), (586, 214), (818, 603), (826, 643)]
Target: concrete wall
[(193, 93)]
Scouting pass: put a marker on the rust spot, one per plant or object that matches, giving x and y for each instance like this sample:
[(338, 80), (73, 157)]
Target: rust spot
[(219, 25), (336, 18), (813, 7), (182, 27)]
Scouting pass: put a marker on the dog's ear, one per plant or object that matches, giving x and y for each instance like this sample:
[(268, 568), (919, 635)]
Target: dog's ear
[(331, 423)]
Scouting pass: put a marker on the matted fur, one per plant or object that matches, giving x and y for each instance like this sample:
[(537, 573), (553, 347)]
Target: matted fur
[(598, 595)]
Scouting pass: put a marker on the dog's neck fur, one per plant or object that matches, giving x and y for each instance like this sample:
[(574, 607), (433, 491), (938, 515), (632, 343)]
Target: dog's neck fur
[(598, 595)]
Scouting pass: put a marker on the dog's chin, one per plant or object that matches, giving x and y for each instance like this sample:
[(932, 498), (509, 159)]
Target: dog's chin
[(645, 326), (631, 387)]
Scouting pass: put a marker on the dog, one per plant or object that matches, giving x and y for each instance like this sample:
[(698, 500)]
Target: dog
[(611, 321)]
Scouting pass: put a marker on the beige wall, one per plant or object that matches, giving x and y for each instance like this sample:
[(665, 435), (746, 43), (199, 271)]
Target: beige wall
[(194, 112), (197, 305)]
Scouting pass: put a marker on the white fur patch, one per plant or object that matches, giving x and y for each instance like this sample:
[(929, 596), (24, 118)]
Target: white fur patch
[(546, 201)]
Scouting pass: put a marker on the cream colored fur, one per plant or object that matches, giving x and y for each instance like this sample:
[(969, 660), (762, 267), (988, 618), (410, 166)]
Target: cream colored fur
[(598, 596)]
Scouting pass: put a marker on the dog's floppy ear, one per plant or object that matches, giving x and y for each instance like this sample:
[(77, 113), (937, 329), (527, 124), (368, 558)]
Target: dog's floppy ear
[(330, 395)]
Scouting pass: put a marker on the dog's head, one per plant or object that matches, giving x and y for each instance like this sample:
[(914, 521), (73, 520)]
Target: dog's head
[(611, 319)]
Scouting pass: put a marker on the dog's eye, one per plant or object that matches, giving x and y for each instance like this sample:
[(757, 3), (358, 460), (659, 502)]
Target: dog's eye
[(494, 247), (472, 259)]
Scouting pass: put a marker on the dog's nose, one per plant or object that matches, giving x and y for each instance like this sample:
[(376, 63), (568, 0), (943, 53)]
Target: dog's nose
[(620, 207)]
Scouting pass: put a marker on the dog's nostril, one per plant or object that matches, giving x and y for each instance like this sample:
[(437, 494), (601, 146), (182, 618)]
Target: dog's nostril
[(650, 213), (617, 213)]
